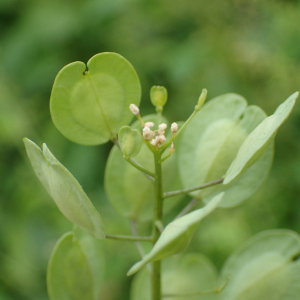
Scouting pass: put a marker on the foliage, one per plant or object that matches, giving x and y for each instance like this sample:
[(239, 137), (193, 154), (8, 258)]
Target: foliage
[(247, 47), (231, 137)]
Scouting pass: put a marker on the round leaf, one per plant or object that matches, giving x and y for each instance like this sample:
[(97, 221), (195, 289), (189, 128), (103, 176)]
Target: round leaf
[(69, 276), (90, 103), (264, 268), (129, 190), (210, 143), (65, 190)]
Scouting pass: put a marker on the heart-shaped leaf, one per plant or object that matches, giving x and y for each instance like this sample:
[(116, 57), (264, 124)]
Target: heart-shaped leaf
[(73, 270), (210, 143), (259, 139), (265, 267), (64, 189), (129, 190), (90, 103), (177, 235), (183, 274)]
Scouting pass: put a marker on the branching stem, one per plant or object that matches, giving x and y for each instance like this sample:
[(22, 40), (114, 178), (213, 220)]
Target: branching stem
[(195, 188), (129, 238)]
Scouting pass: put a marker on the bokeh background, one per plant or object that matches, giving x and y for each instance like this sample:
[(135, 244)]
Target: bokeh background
[(248, 47)]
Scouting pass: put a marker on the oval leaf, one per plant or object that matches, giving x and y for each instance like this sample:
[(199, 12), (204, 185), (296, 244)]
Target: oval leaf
[(129, 190), (69, 276), (64, 189), (89, 106), (94, 252), (260, 138), (183, 274), (245, 185), (264, 268), (210, 143), (177, 235)]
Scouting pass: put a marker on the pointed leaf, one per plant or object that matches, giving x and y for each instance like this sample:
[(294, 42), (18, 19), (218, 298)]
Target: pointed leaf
[(64, 189), (129, 190), (259, 139), (264, 268), (183, 274), (90, 106), (177, 235), (69, 276)]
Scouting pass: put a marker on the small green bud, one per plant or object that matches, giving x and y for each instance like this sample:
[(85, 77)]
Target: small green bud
[(202, 99), (130, 141), (158, 96)]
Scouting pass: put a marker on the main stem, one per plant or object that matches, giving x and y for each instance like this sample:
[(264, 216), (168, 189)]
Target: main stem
[(158, 215)]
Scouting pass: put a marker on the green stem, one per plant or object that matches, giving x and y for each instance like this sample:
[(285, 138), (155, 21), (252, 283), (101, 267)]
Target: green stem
[(158, 215), (163, 159), (130, 238), (140, 168), (150, 177), (192, 189)]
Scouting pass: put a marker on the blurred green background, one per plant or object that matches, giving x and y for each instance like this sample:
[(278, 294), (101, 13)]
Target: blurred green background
[(248, 47)]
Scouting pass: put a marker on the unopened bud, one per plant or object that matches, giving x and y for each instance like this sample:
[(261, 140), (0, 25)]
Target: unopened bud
[(174, 127), (134, 109), (158, 96), (148, 124), (171, 150), (161, 129), (159, 139), (163, 126), (147, 134), (202, 99)]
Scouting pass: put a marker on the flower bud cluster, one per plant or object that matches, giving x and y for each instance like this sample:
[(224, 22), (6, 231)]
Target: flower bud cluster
[(158, 136)]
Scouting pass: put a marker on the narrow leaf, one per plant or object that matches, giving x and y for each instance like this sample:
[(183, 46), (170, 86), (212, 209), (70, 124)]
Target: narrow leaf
[(259, 139), (177, 235), (90, 103), (64, 189)]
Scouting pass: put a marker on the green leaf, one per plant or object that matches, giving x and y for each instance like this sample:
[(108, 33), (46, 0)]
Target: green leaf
[(245, 185), (183, 274), (73, 272), (94, 252), (64, 189), (130, 141), (90, 103), (260, 138), (210, 143), (264, 268), (129, 190), (177, 235)]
